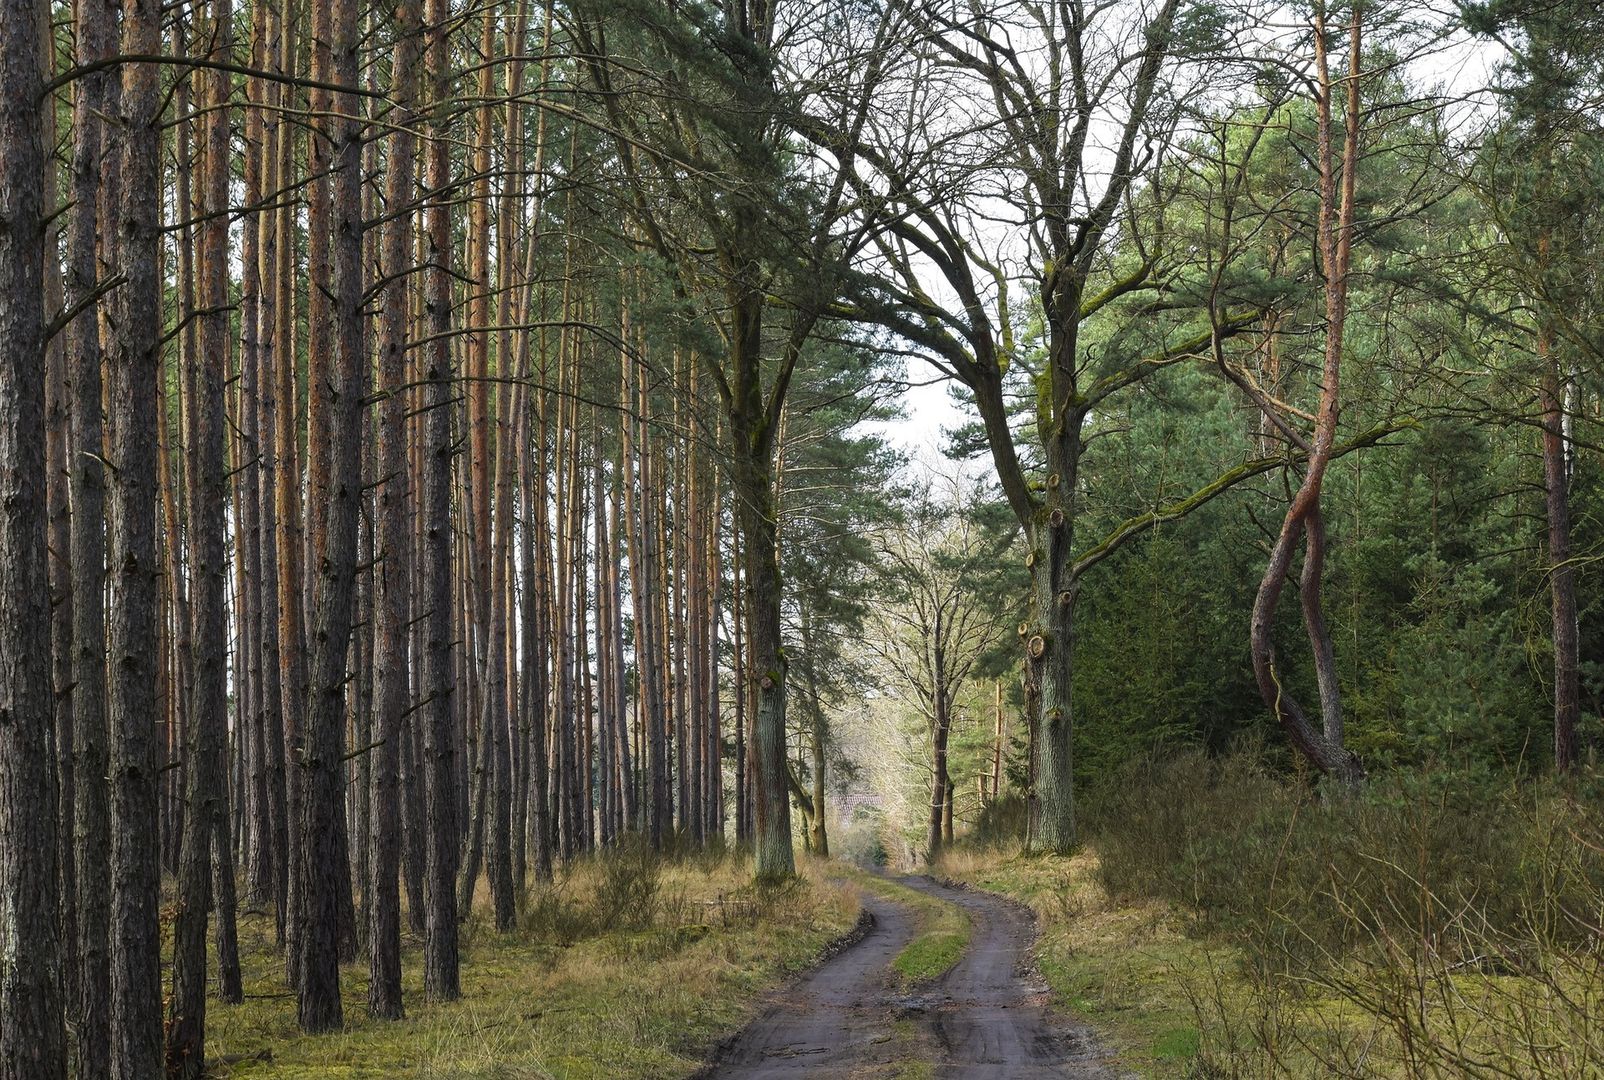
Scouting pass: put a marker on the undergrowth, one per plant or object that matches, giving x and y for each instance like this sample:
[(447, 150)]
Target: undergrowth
[(1225, 922), (626, 965)]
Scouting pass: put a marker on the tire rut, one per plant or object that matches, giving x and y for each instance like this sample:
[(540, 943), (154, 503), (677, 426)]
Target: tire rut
[(983, 1019)]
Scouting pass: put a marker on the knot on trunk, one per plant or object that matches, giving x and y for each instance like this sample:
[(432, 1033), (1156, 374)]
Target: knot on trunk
[(1036, 646)]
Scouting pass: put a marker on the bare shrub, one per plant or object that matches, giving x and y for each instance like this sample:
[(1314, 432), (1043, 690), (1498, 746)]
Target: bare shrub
[(1427, 927)]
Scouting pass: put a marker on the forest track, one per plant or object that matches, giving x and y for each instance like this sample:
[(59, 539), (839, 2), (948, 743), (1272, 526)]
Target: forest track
[(988, 1017)]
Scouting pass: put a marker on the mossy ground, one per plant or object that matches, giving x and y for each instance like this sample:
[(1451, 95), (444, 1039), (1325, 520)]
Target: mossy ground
[(645, 999)]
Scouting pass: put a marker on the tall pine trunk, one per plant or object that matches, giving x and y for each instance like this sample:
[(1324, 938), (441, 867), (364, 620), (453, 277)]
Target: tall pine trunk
[(337, 427), (32, 1037), (440, 958), (1561, 570), (90, 853), (136, 995), (393, 581)]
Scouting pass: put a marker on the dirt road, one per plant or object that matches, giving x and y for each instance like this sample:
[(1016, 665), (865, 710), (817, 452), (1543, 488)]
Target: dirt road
[(983, 1019)]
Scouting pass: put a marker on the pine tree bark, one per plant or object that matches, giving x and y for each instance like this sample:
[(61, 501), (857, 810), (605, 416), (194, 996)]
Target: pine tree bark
[(819, 841), (742, 694), (173, 599), (584, 713), (326, 863), (643, 567), (33, 1038), (258, 326), (501, 694), (135, 364), (206, 824), (715, 617), (58, 530), (535, 630), (440, 961), (393, 579), (536, 555), (628, 806), (1561, 570), (90, 852), (287, 502)]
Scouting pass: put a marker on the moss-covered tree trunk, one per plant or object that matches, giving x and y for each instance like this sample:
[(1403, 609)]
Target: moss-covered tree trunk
[(1050, 638)]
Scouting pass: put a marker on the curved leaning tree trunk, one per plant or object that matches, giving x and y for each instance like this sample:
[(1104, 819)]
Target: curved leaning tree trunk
[(1322, 745)]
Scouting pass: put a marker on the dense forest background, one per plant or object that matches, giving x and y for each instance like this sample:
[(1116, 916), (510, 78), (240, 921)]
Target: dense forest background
[(442, 441)]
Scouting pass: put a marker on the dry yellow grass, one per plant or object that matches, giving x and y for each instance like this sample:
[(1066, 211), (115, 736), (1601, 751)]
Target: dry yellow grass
[(641, 1001), (1177, 1005)]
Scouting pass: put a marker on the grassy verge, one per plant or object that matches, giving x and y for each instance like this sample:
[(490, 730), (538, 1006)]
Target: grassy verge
[(941, 935), (614, 973), (1228, 924)]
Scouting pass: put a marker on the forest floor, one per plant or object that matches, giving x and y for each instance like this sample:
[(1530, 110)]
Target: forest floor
[(940, 985), (623, 968)]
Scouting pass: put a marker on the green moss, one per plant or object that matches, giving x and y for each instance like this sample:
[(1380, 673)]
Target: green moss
[(931, 955), (1177, 1044), (941, 936)]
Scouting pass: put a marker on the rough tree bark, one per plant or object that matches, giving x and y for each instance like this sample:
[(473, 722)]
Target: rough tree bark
[(319, 1007), (257, 802), (393, 583), (205, 835), (136, 1032), (754, 492), (133, 567), (58, 539), (440, 959), (32, 1038), (819, 843), (94, 203)]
